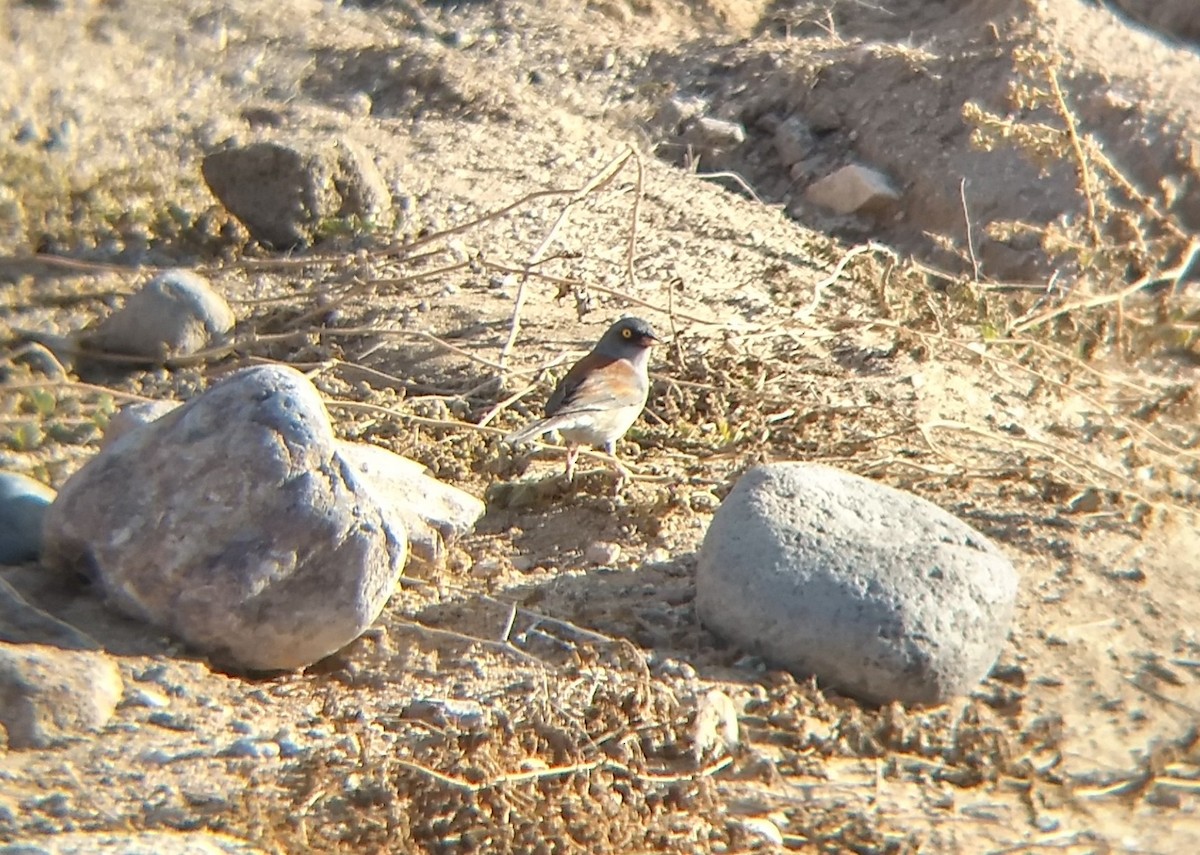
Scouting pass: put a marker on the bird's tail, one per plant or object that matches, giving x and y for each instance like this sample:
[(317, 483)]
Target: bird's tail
[(529, 432)]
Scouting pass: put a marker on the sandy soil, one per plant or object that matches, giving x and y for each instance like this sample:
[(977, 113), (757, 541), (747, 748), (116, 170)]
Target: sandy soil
[(1069, 441)]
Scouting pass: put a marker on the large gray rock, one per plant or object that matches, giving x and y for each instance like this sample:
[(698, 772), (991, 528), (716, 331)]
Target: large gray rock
[(283, 191), (232, 523), (177, 313), (137, 843), (23, 502), (49, 696), (874, 591), (433, 513)]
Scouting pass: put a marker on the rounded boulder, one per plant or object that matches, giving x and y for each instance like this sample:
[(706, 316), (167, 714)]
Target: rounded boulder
[(874, 591)]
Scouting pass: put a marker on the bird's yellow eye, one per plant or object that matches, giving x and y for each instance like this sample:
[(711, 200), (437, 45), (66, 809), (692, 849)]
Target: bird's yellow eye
[(627, 333)]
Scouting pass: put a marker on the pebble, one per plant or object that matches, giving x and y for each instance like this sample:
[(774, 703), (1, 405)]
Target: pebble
[(171, 721), (603, 553), (246, 747), (23, 504), (138, 696)]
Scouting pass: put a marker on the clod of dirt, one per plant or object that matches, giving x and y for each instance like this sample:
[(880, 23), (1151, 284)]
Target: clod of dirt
[(49, 695), (870, 589), (286, 192)]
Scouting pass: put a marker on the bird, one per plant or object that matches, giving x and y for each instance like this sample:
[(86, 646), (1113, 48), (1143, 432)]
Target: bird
[(602, 395)]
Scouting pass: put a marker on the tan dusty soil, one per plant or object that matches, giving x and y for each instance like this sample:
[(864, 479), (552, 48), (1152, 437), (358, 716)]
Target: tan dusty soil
[(1071, 443)]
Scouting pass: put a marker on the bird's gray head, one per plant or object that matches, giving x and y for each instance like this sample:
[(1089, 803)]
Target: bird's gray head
[(627, 339)]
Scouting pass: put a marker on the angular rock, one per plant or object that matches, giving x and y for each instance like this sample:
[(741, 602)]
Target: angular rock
[(794, 140), (852, 189), (49, 696), (434, 514), (177, 313), (233, 523), (284, 191), (677, 110), (136, 843), (23, 623), (708, 133), (133, 416), (876, 592), (23, 503)]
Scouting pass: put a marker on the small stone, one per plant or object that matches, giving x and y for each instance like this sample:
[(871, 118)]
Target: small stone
[(252, 748), (49, 696), (23, 503), (603, 553), (710, 133), (449, 712), (176, 314), (678, 110), (523, 563), (875, 591), (794, 140), (852, 189), (234, 524), (143, 697), (764, 829), (239, 726), (715, 729)]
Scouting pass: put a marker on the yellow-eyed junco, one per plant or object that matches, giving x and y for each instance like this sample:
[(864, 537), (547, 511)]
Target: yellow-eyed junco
[(602, 395)]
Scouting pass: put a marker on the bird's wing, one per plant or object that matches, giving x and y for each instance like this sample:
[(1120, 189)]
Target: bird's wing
[(597, 383)]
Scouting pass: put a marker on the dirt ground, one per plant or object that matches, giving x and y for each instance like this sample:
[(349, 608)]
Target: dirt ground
[(1035, 379)]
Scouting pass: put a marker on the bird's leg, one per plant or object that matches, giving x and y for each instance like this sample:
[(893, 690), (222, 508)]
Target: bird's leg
[(572, 453), (624, 476)]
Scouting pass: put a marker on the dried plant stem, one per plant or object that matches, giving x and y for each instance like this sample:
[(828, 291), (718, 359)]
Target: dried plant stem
[(598, 182), (1174, 275), (559, 771), (1085, 174)]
